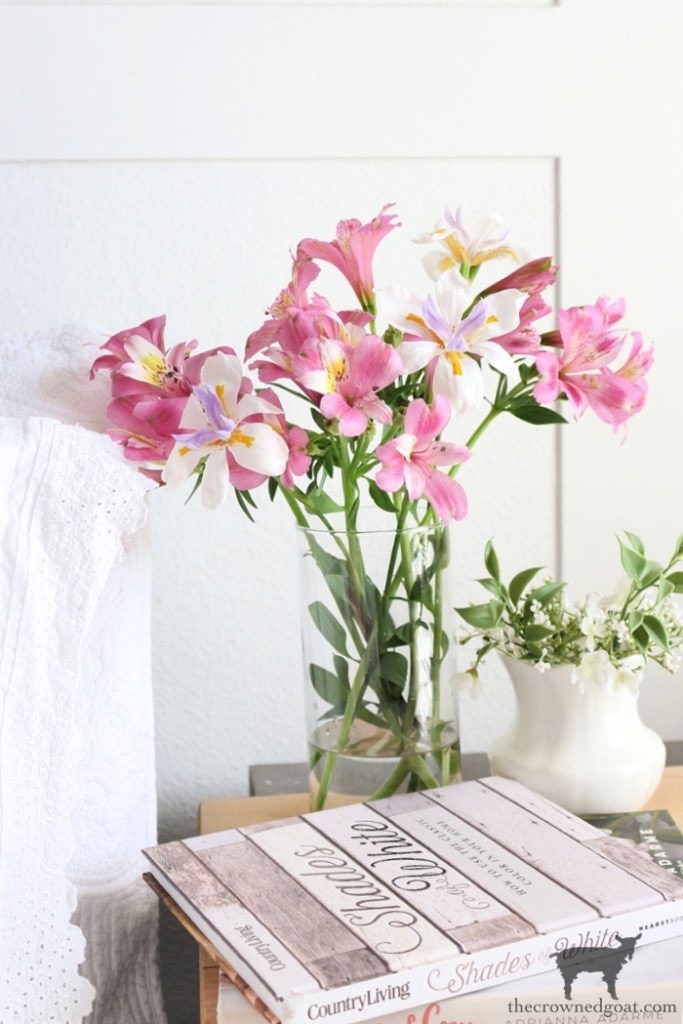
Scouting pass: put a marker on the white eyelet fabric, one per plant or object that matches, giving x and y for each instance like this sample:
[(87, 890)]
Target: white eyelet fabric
[(78, 938)]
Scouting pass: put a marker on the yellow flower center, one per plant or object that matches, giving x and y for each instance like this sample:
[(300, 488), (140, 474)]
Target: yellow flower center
[(155, 367), (237, 437), (455, 360)]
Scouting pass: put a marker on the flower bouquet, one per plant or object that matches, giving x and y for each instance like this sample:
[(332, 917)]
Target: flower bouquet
[(379, 384), (606, 639)]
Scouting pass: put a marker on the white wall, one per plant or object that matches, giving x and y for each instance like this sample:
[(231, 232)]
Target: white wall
[(164, 158)]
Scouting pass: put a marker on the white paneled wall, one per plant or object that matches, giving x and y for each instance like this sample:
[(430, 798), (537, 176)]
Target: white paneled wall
[(208, 244)]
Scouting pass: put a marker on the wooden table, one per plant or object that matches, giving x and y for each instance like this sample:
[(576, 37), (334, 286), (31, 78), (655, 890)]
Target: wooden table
[(218, 815)]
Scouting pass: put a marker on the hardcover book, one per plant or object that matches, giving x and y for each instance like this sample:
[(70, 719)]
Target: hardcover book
[(346, 914), (649, 987)]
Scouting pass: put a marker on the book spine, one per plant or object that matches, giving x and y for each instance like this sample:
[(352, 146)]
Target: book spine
[(467, 973), (660, 999)]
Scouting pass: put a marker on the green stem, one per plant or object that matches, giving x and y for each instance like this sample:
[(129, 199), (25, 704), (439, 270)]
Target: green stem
[(347, 722), (437, 656), (408, 581)]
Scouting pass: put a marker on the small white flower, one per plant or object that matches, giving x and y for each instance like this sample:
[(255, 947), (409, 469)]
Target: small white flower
[(672, 661), (629, 674), (621, 631), (467, 682), (617, 600), (594, 669)]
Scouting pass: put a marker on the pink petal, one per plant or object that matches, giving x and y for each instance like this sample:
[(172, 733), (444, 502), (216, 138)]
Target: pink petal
[(373, 365), (446, 496), (352, 422), (416, 479), (427, 423)]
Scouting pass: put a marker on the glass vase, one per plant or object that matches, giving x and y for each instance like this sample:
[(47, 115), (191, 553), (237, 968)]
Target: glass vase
[(378, 662)]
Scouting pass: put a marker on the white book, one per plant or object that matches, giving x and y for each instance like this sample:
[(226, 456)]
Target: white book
[(649, 988), (342, 915)]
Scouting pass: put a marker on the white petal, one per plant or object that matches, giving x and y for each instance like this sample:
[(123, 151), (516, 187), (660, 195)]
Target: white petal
[(394, 305), (453, 295), (216, 480), (250, 405), (505, 307), (227, 371), (498, 358), (179, 466), (465, 391), (267, 452), (437, 263), (194, 417), (315, 380), (416, 354)]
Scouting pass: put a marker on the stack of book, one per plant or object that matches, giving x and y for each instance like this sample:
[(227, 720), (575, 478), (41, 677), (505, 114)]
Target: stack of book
[(399, 910)]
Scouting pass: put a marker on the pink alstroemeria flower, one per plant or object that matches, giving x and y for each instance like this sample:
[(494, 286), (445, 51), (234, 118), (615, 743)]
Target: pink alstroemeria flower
[(352, 251), (295, 321), (414, 457), (581, 369), (532, 279), (150, 389), (139, 364), (349, 379)]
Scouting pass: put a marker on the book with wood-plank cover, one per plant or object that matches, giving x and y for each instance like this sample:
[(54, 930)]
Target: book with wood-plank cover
[(338, 915)]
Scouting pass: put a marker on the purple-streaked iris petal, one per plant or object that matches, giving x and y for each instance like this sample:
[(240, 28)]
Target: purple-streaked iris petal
[(433, 318), (213, 407), (203, 437)]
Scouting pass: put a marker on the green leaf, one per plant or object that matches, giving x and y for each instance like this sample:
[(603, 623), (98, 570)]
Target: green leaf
[(633, 562), (546, 593), (642, 639), (318, 419), (519, 582), (327, 686), (677, 579), (493, 587), (243, 505), (421, 590), (666, 587), (678, 550), (381, 498), (656, 630), (199, 471), (651, 572), (530, 412), (482, 616), (401, 635), (342, 668), (273, 487), (393, 668), (491, 561), (320, 503), (635, 620), (332, 630), (635, 542), (536, 632)]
